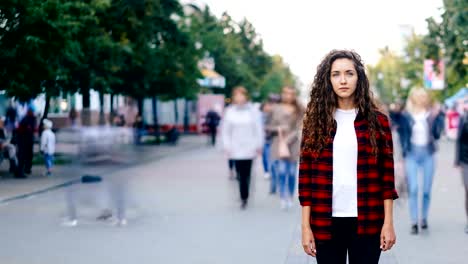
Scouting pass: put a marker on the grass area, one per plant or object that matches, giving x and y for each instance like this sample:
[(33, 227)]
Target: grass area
[(59, 159)]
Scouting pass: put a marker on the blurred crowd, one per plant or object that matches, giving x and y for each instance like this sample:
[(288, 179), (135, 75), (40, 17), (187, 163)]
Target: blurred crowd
[(272, 130)]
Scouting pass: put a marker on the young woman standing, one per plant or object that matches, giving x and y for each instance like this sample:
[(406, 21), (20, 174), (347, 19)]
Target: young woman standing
[(346, 180)]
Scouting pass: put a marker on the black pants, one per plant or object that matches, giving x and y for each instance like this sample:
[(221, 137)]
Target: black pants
[(360, 249), (212, 131), (243, 169), (25, 157)]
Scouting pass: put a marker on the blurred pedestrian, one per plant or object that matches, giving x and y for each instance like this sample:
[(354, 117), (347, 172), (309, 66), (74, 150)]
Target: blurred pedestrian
[(461, 156), (346, 181), (212, 119), (453, 118), (73, 115), (266, 109), (419, 133), (11, 120), (48, 145), (242, 134), (7, 150), (139, 129), (284, 126), (25, 141)]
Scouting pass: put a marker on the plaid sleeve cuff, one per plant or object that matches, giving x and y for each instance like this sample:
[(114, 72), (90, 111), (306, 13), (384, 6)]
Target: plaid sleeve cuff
[(390, 194), (304, 202)]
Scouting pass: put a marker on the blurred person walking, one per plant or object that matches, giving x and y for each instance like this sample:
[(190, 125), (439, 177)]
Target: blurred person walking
[(453, 118), (461, 155), (48, 145), (73, 115), (284, 125), (346, 181), (212, 119), (10, 119), (266, 109), (418, 134), (25, 142), (7, 150), (138, 129), (242, 135)]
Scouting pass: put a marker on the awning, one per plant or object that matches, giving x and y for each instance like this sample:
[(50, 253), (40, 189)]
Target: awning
[(211, 79), (457, 96)]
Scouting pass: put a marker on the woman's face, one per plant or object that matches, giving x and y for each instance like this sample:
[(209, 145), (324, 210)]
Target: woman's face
[(344, 78), (420, 99), (239, 98), (288, 95)]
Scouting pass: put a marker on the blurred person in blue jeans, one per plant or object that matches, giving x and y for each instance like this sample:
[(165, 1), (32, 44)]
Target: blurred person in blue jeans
[(242, 137), (419, 131), (286, 119), (48, 145), (266, 108), (138, 129), (461, 155)]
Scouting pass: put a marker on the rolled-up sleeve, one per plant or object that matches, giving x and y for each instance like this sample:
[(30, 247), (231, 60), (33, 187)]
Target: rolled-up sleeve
[(386, 161)]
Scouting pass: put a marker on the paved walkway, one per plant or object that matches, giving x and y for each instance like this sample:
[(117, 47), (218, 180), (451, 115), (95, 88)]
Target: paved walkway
[(11, 188)]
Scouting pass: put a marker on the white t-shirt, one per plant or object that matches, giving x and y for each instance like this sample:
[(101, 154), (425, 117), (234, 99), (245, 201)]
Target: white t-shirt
[(242, 131), (345, 150), (420, 134)]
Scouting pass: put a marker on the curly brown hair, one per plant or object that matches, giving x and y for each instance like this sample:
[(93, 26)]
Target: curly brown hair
[(319, 116)]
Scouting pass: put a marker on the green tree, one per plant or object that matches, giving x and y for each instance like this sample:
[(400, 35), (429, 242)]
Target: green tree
[(448, 40), (386, 76), (279, 75)]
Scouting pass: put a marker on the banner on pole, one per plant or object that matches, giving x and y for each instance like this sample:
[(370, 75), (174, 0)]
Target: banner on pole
[(434, 77)]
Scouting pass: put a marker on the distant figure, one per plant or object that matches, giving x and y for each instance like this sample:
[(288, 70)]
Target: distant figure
[(10, 119), (242, 136), (7, 150), (453, 118), (266, 109), (212, 119), (48, 145), (138, 129), (119, 121), (25, 141), (73, 115)]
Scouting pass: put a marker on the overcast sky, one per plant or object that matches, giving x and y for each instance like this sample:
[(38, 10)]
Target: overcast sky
[(303, 31)]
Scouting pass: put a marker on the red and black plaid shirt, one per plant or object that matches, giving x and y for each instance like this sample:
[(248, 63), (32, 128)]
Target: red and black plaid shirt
[(375, 181)]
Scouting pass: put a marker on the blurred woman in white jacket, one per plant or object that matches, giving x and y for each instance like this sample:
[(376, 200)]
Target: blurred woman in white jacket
[(48, 145), (242, 136)]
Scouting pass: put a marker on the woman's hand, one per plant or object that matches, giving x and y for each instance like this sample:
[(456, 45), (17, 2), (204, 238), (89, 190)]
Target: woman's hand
[(387, 237), (308, 242)]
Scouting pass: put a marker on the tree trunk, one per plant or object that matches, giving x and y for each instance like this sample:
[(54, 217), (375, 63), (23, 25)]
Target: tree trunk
[(86, 112), (140, 105), (46, 112), (112, 112), (154, 102), (102, 118), (176, 113), (186, 116)]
